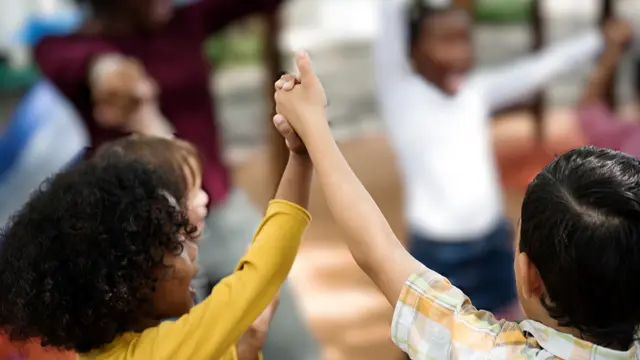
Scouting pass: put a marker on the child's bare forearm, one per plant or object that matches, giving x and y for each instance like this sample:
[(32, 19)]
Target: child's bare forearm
[(350, 203), (247, 352), (295, 183), (370, 238)]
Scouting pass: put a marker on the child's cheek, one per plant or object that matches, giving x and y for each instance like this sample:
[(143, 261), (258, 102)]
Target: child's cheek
[(198, 208)]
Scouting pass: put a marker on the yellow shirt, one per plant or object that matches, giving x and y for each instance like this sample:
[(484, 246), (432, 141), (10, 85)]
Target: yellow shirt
[(212, 328)]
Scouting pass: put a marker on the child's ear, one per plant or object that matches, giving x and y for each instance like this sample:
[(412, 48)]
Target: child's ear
[(532, 285)]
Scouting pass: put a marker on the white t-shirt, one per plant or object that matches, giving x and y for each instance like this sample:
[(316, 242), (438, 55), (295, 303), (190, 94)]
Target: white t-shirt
[(443, 142)]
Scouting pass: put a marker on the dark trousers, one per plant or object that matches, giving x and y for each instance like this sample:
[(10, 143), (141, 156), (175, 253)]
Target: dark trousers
[(481, 267)]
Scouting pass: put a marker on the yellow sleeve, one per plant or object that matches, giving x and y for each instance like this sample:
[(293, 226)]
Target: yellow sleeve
[(216, 324), (232, 354)]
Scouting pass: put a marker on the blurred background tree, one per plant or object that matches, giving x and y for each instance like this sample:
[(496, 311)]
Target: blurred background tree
[(240, 45), (502, 11)]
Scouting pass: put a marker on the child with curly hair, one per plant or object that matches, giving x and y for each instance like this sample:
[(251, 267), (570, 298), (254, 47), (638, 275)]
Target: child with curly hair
[(576, 265), (104, 252), (172, 156), (180, 160)]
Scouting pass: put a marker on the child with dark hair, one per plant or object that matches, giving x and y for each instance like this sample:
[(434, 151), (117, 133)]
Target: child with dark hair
[(438, 115), (577, 259), (601, 125), (104, 252)]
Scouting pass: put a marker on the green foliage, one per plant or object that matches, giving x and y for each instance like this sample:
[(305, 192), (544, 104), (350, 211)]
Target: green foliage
[(503, 11), (16, 79), (234, 49)]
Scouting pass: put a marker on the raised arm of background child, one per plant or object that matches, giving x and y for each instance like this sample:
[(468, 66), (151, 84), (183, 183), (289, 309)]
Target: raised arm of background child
[(506, 85), (74, 63), (216, 324), (391, 46), (295, 184), (371, 240), (618, 36), (66, 61)]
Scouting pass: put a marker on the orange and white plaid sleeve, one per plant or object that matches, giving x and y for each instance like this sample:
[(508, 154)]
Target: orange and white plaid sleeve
[(435, 320)]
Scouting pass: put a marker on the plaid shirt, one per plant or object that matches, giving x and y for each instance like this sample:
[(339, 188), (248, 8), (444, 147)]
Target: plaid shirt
[(434, 320)]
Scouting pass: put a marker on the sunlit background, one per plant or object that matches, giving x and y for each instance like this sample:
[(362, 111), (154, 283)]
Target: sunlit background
[(345, 311)]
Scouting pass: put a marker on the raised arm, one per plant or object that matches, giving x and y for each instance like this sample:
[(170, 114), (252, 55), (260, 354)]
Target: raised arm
[(124, 96), (599, 122), (506, 85), (216, 324), (420, 296), (67, 61), (371, 240), (618, 36), (391, 47), (213, 15)]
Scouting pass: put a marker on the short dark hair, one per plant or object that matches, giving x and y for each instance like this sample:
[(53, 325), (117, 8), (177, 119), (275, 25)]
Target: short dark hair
[(581, 228), (418, 12), (81, 258)]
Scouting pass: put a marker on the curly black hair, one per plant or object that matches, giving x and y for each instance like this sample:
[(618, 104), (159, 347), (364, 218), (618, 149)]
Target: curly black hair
[(82, 257)]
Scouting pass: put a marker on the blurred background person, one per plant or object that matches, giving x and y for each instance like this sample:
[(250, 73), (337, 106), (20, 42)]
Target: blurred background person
[(31, 148), (123, 53), (348, 318), (439, 123)]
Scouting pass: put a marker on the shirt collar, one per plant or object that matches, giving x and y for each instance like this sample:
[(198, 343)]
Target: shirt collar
[(565, 346)]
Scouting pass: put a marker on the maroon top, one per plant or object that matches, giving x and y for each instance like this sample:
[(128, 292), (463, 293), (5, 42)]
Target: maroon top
[(604, 129), (174, 57)]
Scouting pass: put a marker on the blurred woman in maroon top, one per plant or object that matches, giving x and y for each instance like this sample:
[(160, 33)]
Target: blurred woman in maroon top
[(118, 56)]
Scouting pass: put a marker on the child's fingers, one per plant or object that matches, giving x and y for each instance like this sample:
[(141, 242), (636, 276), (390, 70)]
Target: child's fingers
[(280, 83), (276, 99), (303, 63), (291, 138), (294, 143), (287, 82), (290, 82), (283, 126)]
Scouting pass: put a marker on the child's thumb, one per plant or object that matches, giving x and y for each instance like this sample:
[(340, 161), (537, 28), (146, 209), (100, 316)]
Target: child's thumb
[(303, 62)]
